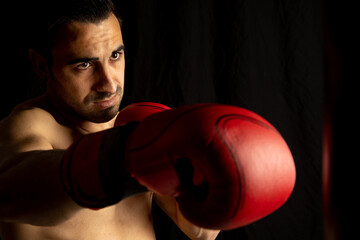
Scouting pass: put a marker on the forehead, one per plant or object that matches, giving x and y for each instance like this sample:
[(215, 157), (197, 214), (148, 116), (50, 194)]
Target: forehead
[(79, 38)]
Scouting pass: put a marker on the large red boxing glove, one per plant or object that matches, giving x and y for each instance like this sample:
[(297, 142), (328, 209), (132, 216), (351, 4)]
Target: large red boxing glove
[(93, 170), (227, 166)]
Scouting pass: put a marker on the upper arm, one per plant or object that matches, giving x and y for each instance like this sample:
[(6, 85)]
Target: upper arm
[(30, 186)]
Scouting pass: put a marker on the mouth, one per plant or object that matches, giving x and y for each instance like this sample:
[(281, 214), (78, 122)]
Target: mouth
[(107, 102)]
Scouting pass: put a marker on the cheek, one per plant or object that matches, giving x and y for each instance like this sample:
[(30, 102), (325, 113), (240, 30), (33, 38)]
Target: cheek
[(71, 87), (120, 72)]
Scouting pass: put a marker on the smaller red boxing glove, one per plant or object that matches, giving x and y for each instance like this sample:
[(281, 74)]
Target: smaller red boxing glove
[(93, 170), (137, 112)]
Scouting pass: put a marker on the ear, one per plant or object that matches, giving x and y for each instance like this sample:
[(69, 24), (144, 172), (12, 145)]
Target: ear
[(40, 64)]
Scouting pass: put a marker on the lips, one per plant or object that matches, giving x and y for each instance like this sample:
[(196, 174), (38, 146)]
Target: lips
[(106, 103)]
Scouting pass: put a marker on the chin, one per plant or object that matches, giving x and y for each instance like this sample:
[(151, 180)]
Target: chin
[(105, 115)]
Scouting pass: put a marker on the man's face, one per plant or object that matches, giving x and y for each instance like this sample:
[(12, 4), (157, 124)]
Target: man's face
[(87, 71)]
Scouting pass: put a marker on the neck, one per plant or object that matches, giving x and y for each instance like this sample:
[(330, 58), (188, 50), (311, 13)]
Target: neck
[(86, 127)]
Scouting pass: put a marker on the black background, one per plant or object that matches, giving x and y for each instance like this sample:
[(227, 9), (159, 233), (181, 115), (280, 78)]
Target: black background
[(264, 55)]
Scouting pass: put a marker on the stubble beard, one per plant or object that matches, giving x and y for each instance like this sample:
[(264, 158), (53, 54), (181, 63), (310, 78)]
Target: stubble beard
[(105, 115)]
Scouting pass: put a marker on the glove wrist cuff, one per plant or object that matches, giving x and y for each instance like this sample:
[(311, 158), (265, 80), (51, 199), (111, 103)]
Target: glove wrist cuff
[(93, 170)]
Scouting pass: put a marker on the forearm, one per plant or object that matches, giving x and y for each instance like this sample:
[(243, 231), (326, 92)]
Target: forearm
[(31, 191), (171, 208), (194, 232)]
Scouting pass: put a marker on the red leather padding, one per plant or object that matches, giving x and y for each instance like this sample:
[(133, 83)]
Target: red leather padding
[(137, 112)]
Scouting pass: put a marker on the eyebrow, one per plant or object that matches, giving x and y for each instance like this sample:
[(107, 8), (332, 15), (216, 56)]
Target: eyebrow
[(82, 60), (92, 59)]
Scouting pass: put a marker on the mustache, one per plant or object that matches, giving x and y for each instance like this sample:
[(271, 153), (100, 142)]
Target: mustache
[(100, 96)]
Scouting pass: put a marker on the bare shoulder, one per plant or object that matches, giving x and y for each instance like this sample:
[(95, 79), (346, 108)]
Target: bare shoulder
[(31, 112), (30, 125)]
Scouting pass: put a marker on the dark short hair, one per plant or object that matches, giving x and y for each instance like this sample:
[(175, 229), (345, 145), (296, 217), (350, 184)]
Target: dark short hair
[(48, 16)]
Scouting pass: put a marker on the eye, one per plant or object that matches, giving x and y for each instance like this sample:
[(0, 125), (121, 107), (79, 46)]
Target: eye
[(116, 56), (83, 66)]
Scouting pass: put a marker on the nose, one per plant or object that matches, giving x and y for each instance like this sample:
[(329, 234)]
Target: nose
[(106, 80)]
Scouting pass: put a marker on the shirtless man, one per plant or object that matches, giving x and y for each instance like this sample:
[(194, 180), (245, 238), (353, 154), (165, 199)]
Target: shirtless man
[(84, 73), (71, 151)]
